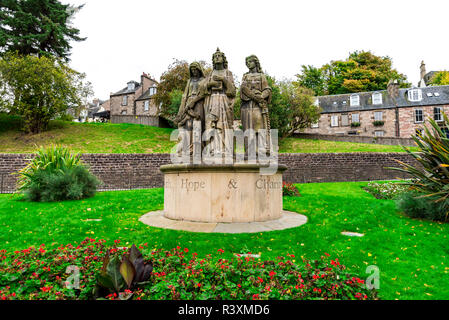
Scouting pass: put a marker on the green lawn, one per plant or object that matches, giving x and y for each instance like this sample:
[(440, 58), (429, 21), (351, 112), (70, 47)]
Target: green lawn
[(412, 255), (132, 138)]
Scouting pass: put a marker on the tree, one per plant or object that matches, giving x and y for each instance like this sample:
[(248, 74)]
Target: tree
[(171, 84), (292, 107), (301, 109), (361, 71), (312, 78), (38, 27), (40, 88), (440, 78)]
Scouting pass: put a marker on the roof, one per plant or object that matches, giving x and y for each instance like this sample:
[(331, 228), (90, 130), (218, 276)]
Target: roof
[(125, 90), (341, 102), (146, 95)]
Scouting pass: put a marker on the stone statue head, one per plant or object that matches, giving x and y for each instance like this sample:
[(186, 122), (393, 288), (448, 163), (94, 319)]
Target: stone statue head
[(219, 57), (256, 61), (197, 66)]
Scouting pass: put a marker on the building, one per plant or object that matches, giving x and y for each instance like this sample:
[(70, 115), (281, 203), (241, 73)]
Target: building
[(395, 112), (88, 112), (135, 103)]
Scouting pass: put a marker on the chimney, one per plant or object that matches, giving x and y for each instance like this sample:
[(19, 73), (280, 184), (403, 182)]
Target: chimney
[(393, 88), (422, 69), (96, 102)]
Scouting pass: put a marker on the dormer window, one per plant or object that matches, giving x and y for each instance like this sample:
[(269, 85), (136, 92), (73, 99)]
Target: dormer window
[(131, 86), (152, 90), (354, 100), (415, 95), (377, 98)]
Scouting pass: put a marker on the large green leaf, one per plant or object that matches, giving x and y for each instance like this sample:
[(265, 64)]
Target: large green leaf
[(113, 270), (127, 271)]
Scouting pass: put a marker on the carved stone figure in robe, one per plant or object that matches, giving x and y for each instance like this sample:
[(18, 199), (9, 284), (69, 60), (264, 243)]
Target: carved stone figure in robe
[(219, 102), (255, 95), (190, 116)]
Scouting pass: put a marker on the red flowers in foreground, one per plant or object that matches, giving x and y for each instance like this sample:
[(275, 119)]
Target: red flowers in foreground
[(39, 273)]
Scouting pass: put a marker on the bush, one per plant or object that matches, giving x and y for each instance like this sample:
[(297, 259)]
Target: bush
[(378, 123), (415, 205), (388, 190), (355, 124), (39, 273), (289, 189), (431, 178), (55, 174)]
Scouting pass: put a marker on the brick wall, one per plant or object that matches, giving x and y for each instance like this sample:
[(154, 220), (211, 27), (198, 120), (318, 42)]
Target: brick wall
[(126, 171)]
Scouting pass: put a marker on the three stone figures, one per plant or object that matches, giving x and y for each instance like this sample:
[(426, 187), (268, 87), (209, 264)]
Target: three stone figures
[(206, 113)]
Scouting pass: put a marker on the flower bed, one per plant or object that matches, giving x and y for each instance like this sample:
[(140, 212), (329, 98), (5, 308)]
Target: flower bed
[(38, 273), (388, 190)]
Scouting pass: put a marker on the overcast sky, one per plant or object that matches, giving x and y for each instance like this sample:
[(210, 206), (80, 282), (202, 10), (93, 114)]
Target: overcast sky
[(126, 38)]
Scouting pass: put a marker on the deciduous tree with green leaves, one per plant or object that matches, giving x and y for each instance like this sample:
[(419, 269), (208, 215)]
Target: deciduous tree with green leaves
[(37, 27), (440, 78), (40, 88), (361, 71)]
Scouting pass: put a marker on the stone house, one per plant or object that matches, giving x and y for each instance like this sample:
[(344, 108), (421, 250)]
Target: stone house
[(135, 103), (395, 112)]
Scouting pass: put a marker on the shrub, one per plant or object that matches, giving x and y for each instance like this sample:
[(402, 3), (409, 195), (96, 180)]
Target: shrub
[(388, 190), (432, 177), (355, 124), (38, 273), (415, 205), (55, 174), (378, 123), (289, 189)]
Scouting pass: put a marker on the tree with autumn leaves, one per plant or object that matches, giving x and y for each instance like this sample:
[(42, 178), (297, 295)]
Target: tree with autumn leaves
[(362, 71)]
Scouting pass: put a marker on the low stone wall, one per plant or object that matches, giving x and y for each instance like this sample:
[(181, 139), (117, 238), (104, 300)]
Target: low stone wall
[(360, 139), (130, 171)]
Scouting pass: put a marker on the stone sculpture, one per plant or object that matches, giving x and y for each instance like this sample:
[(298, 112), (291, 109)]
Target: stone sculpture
[(255, 95), (219, 90), (190, 116)]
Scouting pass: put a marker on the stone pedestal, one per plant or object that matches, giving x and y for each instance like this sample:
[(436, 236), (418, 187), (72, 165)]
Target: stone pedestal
[(221, 193)]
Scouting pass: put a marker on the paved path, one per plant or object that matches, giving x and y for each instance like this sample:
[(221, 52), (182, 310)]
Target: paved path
[(288, 220)]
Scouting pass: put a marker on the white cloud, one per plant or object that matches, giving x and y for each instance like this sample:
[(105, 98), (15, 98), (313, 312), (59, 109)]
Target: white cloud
[(126, 38)]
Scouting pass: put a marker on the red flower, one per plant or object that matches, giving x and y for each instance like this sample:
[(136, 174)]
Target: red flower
[(186, 250), (260, 279), (272, 274), (255, 296)]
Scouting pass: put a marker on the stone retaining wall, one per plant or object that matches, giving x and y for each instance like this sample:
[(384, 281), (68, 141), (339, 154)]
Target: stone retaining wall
[(130, 171)]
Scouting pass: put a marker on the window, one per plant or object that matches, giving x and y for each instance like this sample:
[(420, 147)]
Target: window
[(125, 101), (354, 100), (419, 117), (344, 120), (377, 98), (315, 124), (130, 85), (378, 116), (147, 105), (437, 116), (123, 111), (152, 91), (419, 132), (378, 133), (429, 94), (436, 94), (415, 95), (317, 102), (355, 117), (334, 121)]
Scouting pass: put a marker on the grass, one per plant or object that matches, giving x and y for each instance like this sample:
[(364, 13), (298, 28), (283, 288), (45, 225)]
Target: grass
[(411, 254), (132, 138)]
